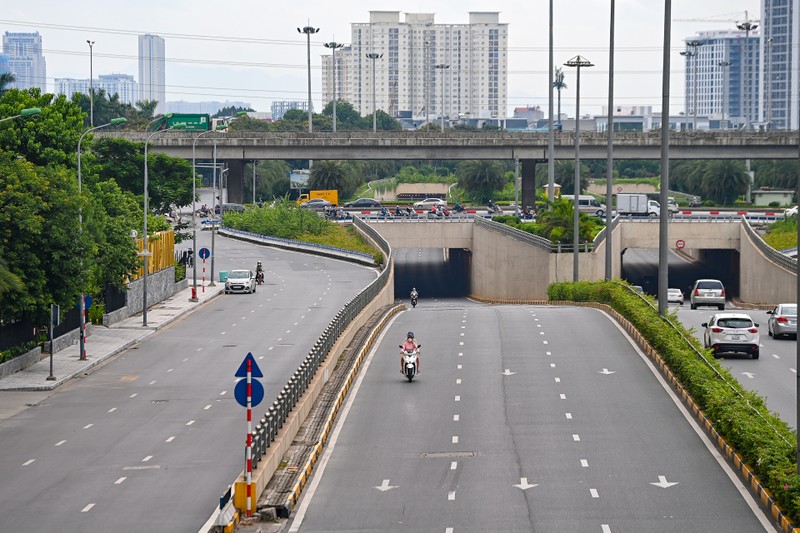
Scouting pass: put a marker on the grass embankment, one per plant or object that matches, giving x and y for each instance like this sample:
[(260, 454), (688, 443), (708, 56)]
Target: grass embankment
[(288, 222), (765, 442), (782, 234)]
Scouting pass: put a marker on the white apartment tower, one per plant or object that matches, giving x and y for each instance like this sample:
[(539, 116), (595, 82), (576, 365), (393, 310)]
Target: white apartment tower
[(426, 69), (25, 60), (780, 64), (152, 72), (122, 85)]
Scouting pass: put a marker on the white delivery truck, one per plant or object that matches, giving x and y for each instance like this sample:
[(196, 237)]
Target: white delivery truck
[(636, 205)]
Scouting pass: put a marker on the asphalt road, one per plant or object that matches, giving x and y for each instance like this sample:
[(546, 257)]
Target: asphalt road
[(523, 419), (149, 441)]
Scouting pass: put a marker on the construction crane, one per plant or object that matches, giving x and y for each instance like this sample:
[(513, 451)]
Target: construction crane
[(747, 20)]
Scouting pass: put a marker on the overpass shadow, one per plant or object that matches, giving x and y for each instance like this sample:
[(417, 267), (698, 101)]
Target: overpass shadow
[(435, 272)]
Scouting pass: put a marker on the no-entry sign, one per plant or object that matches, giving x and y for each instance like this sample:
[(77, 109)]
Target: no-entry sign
[(680, 243)]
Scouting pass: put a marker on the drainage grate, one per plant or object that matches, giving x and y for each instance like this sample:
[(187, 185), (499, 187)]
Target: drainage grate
[(438, 455)]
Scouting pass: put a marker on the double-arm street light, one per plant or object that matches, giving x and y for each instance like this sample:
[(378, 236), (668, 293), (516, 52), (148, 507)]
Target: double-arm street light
[(91, 84), (724, 66), (27, 112), (145, 251), (333, 45), (441, 68), (308, 30), (578, 62), (374, 57), (693, 45), (82, 302), (747, 27)]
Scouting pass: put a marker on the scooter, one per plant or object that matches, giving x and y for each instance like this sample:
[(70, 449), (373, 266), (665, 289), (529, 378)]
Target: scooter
[(494, 209), (410, 362), (414, 301), (260, 277)]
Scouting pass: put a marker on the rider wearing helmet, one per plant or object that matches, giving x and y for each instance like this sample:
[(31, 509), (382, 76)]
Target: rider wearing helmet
[(259, 272), (409, 344), (414, 293)]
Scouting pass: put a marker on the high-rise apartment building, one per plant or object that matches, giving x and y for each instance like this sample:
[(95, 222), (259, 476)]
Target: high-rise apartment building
[(780, 64), (152, 71), (25, 60), (120, 84), (426, 69), (279, 108)]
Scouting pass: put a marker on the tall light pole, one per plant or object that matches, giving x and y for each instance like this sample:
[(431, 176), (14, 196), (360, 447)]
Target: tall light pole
[(427, 87), (91, 84), (663, 221), (578, 62), (724, 65), (308, 30), (146, 204), (747, 27), (374, 57), (551, 169), (27, 112), (333, 45), (693, 44), (610, 149), (769, 83), (441, 67), (82, 302)]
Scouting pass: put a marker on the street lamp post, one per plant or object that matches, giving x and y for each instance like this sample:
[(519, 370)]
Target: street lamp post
[(610, 155), (374, 56), (91, 84), (145, 251), (747, 27), (27, 112), (441, 68), (427, 87), (578, 62), (550, 125), (308, 30), (693, 44), (724, 65), (333, 45), (82, 302), (769, 83)]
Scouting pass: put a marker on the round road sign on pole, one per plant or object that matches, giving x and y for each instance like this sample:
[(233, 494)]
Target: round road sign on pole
[(680, 243), (619, 189)]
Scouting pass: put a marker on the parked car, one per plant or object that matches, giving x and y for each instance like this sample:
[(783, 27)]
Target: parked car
[(731, 333), (363, 202), (675, 296), (428, 202), (708, 292), (638, 288), (317, 204), (240, 281), (782, 320)]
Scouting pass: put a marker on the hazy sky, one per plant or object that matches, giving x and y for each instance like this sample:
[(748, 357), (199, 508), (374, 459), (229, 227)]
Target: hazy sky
[(250, 50)]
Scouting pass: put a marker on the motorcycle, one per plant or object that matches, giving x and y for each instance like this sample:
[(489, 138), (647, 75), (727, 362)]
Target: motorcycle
[(458, 208), (410, 362), (260, 277), (414, 300), (494, 209)]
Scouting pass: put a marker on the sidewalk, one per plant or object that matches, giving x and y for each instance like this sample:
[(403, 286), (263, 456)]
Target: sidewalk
[(106, 342)]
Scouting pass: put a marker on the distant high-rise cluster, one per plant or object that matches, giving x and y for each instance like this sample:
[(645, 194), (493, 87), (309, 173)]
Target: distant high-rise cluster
[(120, 84), (426, 69), (279, 108), (152, 70), (23, 55)]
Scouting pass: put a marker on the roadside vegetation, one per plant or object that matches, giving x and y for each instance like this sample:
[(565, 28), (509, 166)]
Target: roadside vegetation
[(766, 443), (782, 234), (557, 224)]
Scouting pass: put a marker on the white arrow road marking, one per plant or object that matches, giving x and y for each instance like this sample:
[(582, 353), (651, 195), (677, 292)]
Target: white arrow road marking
[(385, 486), (606, 528), (451, 496), (606, 371), (748, 374), (524, 485), (508, 372), (663, 483)]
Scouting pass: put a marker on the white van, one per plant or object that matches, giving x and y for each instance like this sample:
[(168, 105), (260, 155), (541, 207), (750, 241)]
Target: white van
[(587, 204)]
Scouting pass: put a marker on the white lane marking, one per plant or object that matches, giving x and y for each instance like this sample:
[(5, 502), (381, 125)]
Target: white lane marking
[(233, 325), (112, 409), (461, 343), (458, 382), (455, 439), (558, 380), (59, 443), (120, 480), (170, 370), (461, 354), (562, 396), (463, 327), (576, 438), (134, 395), (170, 439), (453, 465), (541, 333), (152, 382), (569, 416), (552, 365), (294, 323), (280, 339), (223, 393), (458, 398), (206, 408), (793, 370), (451, 496), (87, 508), (303, 316), (594, 493), (260, 357), (271, 347), (456, 418), (185, 359), (195, 350), (222, 333), (584, 463), (538, 325), (548, 353), (288, 331), (147, 458), (462, 334), (459, 367), (29, 461), (776, 356), (87, 426), (190, 422), (605, 528), (544, 342)]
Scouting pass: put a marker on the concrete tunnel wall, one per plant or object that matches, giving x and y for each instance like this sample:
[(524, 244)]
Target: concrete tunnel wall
[(761, 280)]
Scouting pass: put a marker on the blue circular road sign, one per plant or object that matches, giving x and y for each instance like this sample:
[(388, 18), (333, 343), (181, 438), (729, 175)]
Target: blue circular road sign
[(204, 253), (256, 391)]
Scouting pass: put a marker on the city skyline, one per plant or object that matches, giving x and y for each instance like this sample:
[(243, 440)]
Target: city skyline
[(261, 63)]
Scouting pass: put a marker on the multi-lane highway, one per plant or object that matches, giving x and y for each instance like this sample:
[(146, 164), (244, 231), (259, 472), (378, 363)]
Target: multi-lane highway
[(149, 441)]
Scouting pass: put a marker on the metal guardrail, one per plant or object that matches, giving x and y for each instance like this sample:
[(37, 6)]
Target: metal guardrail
[(771, 253), (460, 217), (267, 427), (297, 244), (508, 231)]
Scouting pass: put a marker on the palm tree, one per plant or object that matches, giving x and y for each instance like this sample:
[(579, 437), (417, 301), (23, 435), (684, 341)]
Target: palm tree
[(558, 83), (481, 177), (327, 175), (6, 79), (724, 181)]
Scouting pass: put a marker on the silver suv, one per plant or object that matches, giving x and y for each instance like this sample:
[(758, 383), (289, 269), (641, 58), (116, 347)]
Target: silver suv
[(732, 333), (708, 292)]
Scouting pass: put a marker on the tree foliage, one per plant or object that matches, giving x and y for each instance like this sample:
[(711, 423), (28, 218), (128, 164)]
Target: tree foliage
[(721, 181), (480, 177)]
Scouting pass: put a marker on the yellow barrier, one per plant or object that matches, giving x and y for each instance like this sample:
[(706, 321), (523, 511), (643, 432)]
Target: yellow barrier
[(161, 246)]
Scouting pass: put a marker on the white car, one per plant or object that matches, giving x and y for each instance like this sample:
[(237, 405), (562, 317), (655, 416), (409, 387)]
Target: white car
[(428, 202), (240, 281), (791, 212), (675, 296), (732, 333)]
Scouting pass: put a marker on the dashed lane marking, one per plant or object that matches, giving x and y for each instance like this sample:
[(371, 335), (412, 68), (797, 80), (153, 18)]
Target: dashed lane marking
[(29, 461), (558, 380), (87, 508), (59, 443), (594, 493), (576, 438), (152, 382), (451, 496), (112, 409), (458, 398), (569, 416), (207, 407), (552, 365), (562, 396), (458, 382), (134, 395), (584, 463), (120, 480), (455, 439), (147, 458), (548, 353), (170, 439), (190, 422), (456, 418), (459, 367), (87, 426), (223, 393), (453, 465)]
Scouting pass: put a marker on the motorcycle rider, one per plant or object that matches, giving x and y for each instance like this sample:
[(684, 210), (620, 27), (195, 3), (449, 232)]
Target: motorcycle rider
[(409, 344), (414, 293), (259, 272)]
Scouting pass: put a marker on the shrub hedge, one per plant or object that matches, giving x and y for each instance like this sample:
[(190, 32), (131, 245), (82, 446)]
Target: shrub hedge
[(765, 442)]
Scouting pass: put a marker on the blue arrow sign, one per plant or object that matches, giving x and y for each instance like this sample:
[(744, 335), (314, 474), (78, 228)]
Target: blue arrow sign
[(204, 253), (87, 302), (256, 392), (254, 370)]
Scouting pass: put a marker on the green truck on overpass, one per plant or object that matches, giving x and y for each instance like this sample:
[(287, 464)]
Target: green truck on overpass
[(193, 121)]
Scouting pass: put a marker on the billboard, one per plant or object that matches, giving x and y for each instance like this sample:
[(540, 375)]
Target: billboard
[(298, 179)]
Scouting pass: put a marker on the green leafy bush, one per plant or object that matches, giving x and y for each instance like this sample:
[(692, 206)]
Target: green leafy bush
[(16, 351), (180, 272), (96, 312)]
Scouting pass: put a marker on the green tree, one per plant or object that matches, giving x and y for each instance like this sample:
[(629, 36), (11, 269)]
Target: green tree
[(777, 174), (231, 111), (557, 223), (563, 174), (480, 177), (329, 175), (8, 280), (724, 181), (6, 79)]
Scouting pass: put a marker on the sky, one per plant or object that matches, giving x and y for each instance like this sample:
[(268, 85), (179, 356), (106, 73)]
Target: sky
[(250, 50)]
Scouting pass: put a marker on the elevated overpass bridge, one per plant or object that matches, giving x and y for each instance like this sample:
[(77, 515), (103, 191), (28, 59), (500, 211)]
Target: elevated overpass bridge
[(506, 264), (531, 148)]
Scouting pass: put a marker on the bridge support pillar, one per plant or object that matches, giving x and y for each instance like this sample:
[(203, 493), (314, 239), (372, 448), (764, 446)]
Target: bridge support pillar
[(528, 173), (235, 181)]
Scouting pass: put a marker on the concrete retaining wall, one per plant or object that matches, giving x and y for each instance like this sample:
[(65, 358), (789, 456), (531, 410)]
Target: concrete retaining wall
[(426, 234), (160, 286), (761, 280), (18, 363)]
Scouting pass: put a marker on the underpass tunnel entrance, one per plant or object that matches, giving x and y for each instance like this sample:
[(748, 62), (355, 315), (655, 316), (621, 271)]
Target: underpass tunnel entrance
[(435, 272), (640, 267)]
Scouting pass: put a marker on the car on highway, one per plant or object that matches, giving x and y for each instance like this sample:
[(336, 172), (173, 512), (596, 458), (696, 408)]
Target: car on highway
[(709, 292), (791, 212), (731, 333), (675, 296), (638, 288), (428, 202), (782, 321), (316, 204), (242, 281), (363, 202)]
